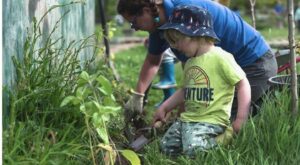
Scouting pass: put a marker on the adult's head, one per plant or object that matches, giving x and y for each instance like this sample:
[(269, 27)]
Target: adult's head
[(142, 14)]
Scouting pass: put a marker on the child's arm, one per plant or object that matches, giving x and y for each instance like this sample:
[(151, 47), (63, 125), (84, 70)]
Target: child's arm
[(176, 99), (244, 100)]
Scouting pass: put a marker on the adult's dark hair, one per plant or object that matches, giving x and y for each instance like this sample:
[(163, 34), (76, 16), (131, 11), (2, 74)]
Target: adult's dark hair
[(135, 7)]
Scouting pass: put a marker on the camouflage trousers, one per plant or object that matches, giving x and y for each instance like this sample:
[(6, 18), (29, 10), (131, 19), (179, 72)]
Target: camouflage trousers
[(189, 137)]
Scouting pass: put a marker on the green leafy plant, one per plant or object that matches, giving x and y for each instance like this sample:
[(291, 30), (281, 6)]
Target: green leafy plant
[(94, 97)]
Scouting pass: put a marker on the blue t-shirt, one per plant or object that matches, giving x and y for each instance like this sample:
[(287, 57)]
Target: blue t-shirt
[(237, 36)]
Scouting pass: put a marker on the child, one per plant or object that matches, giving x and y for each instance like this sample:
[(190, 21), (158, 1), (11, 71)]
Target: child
[(210, 77)]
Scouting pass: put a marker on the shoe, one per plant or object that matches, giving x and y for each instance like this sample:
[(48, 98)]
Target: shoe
[(167, 93), (167, 76)]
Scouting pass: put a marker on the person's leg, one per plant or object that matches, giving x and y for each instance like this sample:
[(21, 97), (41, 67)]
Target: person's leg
[(199, 136), (168, 93), (167, 80), (258, 74), (171, 143), (166, 75)]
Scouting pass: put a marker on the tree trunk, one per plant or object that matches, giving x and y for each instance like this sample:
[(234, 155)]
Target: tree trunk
[(252, 3), (294, 82)]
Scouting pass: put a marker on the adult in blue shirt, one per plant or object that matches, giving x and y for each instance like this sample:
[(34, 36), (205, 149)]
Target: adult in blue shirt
[(249, 48)]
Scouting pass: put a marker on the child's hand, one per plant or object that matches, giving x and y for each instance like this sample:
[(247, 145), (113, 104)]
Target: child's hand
[(237, 125), (159, 115)]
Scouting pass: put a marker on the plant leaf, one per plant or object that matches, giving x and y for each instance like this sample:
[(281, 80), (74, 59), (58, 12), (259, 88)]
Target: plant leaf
[(97, 120), (108, 101), (80, 91), (83, 78), (131, 156), (103, 91), (67, 100), (112, 97), (88, 108), (84, 75), (105, 117), (106, 85), (103, 134)]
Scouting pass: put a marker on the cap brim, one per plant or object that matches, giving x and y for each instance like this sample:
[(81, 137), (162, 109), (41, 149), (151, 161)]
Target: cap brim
[(169, 26)]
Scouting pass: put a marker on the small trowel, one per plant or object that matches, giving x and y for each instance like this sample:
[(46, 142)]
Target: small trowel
[(145, 135)]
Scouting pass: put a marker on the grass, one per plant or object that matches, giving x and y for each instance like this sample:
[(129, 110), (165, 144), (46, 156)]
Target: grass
[(272, 137)]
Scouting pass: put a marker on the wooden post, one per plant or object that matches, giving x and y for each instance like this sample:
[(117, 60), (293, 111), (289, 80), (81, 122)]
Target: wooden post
[(294, 83), (252, 3), (105, 39)]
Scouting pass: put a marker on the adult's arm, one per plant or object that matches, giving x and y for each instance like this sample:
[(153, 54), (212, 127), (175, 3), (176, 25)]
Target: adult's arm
[(148, 71)]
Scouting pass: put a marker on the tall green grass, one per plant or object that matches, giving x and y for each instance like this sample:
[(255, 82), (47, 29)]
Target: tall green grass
[(38, 130)]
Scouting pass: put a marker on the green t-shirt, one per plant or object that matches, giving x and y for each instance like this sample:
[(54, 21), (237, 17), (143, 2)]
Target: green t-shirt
[(209, 84)]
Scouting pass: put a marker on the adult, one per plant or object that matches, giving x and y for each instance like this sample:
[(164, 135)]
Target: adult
[(249, 48)]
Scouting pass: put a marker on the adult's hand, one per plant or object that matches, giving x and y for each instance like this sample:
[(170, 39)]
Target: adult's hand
[(135, 103)]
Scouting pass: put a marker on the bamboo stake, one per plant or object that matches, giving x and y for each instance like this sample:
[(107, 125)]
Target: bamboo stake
[(252, 3), (106, 42), (293, 58)]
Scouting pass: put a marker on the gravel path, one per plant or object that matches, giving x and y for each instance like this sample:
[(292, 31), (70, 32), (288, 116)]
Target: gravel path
[(125, 43)]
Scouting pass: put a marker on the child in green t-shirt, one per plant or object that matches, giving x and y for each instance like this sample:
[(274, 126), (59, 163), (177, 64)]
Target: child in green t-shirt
[(210, 78)]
